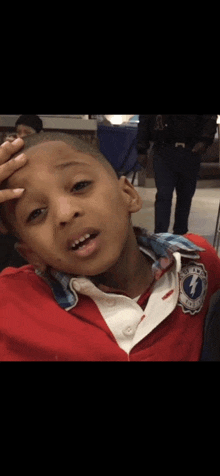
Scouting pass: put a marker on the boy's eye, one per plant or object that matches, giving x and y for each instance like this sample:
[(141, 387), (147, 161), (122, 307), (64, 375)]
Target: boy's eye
[(76, 188), (35, 214), (81, 185)]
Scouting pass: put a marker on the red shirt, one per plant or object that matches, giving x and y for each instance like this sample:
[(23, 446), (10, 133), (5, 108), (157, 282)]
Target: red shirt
[(33, 327)]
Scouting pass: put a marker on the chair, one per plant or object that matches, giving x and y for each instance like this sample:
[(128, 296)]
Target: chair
[(118, 145), (130, 162)]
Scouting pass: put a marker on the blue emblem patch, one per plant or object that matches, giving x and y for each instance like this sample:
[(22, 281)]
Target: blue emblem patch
[(193, 287)]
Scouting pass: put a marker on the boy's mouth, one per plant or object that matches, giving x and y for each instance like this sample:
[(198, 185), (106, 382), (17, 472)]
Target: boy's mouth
[(85, 244)]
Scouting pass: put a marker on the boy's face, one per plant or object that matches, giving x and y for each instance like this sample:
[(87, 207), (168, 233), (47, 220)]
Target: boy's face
[(70, 197)]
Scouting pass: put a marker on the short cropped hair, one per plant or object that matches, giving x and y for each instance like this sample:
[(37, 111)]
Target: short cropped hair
[(82, 145), (78, 144)]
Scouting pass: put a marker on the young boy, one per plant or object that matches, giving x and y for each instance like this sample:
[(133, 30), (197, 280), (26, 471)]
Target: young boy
[(96, 288)]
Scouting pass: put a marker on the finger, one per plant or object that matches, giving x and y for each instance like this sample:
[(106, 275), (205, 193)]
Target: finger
[(10, 148), (11, 166), (10, 194), (11, 139)]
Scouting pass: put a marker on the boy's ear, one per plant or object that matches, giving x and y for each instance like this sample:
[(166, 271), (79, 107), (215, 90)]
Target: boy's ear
[(131, 195), (30, 256)]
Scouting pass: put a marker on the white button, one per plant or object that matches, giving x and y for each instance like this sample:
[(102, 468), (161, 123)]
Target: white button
[(129, 331), (111, 302)]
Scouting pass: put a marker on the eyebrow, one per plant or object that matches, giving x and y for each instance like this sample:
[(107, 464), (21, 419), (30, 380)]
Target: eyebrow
[(64, 165), (61, 166)]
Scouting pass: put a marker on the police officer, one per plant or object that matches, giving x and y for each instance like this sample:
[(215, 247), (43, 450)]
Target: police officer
[(179, 142)]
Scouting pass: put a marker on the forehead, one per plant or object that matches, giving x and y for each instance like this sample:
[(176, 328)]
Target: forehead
[(53, 151), (50, 157)]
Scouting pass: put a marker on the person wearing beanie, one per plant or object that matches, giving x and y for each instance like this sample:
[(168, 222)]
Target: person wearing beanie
[(28, 124)]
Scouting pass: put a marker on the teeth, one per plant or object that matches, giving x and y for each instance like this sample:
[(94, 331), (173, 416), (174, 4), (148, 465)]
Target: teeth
[(83, 238)]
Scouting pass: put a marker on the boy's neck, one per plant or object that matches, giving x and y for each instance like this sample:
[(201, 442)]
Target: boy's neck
[(132, 274)]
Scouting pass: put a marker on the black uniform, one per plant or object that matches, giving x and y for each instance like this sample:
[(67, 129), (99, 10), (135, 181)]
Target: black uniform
[(176, 166)]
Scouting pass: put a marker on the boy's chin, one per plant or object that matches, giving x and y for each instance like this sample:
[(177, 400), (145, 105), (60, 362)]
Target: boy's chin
[(92, 269)]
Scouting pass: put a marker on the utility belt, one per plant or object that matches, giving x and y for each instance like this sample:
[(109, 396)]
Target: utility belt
[(177, 145)]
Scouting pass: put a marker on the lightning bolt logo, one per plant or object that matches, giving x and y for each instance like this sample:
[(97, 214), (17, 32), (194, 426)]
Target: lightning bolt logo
[(193, 285)]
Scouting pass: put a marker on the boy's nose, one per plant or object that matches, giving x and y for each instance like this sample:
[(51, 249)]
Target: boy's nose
[(66, 210)]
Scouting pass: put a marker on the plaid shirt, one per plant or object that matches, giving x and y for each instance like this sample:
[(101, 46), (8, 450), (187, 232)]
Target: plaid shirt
[(160, 247)]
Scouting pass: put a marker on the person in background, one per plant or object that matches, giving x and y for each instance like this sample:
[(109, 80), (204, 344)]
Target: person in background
[(24, 126), (179, 142), (28, 124)]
